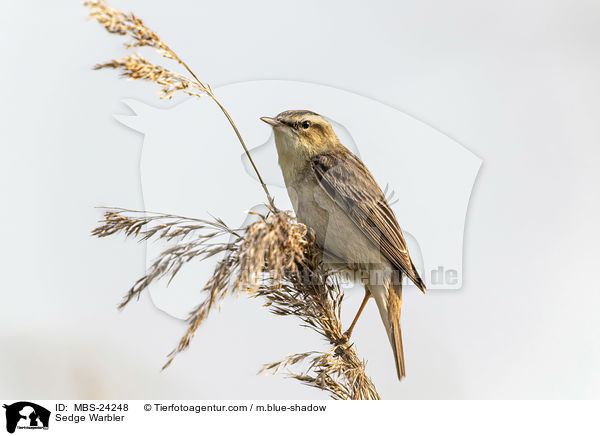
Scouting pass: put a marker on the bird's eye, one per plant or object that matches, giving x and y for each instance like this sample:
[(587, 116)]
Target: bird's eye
[(305, 124)]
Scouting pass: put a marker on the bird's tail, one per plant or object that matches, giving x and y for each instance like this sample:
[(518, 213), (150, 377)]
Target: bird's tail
[(389, 302)]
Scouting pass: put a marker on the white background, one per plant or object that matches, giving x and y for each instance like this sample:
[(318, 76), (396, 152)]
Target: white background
[(515, 82)]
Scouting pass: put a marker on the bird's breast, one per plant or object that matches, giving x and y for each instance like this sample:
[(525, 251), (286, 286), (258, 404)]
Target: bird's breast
[(335, 231)]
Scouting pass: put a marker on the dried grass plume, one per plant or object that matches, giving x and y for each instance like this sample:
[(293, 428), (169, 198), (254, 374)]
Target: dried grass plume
[(274, 258)]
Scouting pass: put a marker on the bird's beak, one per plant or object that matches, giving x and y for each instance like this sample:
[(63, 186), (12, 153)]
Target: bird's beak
[(271, 121)]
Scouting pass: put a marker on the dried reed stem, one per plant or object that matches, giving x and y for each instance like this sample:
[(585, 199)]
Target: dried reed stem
[(137, 68), (274, 258)]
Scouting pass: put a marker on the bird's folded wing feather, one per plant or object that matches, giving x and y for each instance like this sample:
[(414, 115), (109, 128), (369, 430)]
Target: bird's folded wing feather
[(352, 187)]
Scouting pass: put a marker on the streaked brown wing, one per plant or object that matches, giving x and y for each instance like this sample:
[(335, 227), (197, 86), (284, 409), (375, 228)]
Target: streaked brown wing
[(350, 184)]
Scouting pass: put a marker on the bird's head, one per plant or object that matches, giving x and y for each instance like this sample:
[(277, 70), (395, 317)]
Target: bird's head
[(302, 133)]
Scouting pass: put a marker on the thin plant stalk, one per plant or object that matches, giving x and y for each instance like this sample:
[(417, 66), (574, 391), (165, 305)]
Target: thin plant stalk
[(136, 67), (275, 257)]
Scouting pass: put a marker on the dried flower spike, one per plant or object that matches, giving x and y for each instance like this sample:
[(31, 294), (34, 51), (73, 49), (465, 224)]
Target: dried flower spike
[(274, 258), (138, 68)]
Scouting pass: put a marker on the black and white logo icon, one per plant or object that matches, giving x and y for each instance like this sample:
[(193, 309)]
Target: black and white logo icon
[(26, 415)]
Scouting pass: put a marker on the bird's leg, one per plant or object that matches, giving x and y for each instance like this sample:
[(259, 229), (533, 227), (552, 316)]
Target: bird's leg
[(360, 309)]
